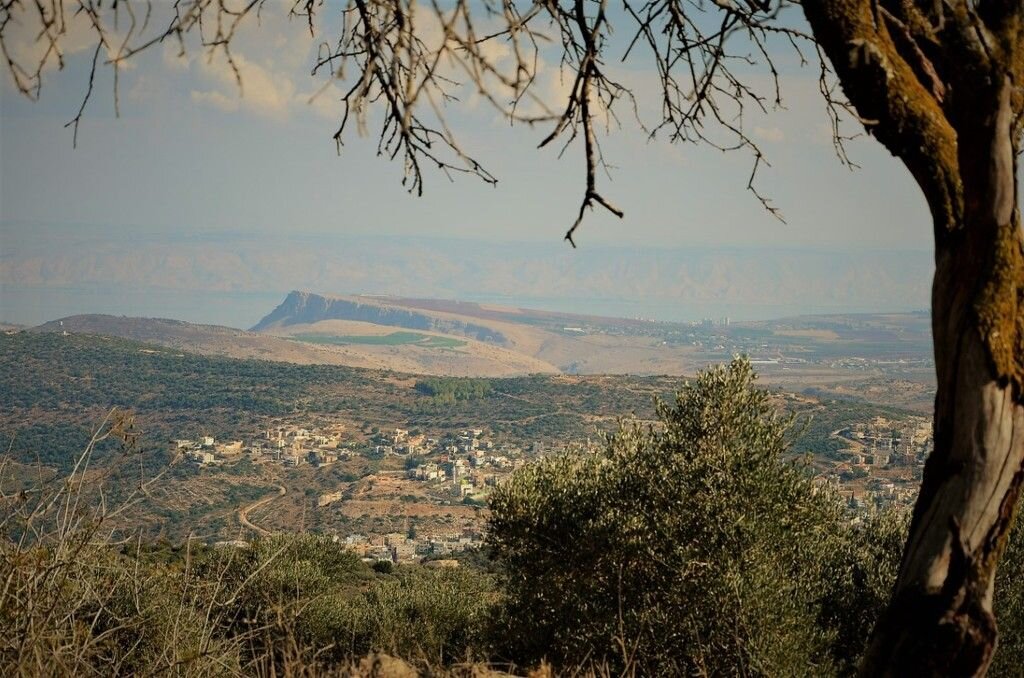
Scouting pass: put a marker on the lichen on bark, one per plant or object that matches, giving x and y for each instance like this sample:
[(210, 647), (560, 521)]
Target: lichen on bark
[(1000, 305)]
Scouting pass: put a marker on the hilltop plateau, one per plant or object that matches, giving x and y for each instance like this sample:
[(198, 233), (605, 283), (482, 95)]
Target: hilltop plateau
[(883, 358), (426, 353)]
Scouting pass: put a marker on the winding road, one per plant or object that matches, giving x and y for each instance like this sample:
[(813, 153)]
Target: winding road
[(243, 513)]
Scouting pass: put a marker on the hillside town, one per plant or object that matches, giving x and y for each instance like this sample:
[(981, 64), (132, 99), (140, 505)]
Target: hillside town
[(882, 462), (879, 464)]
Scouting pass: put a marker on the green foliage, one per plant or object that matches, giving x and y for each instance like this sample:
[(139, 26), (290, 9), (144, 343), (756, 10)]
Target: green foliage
[(858, 580), (307, 596), (435, 616), (48, 443), (686, 548), (453, 389), (392, 339), (1009, 608)]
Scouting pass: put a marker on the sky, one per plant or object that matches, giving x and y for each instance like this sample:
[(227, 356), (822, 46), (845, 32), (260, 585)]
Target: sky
[(192, 155)]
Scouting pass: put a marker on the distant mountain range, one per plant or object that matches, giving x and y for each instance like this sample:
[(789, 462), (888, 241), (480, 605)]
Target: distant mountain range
[(886, 357), (186, 277)]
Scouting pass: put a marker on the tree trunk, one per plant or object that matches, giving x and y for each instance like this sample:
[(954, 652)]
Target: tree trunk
[(940, 620)]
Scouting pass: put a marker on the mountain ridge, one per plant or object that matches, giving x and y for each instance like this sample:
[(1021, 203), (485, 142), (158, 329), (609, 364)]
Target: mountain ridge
[(300, 307)]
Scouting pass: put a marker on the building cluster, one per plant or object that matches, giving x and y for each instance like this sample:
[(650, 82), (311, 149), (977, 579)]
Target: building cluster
[(467, 460), (286, 445), (206, 450), (883, 462), (883, 442), (399, 547)]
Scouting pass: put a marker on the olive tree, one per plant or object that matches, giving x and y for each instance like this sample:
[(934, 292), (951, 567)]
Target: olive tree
[(689, 547), (937, 82)]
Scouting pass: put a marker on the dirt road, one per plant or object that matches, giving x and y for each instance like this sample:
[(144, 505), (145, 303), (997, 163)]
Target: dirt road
[(243, 513)]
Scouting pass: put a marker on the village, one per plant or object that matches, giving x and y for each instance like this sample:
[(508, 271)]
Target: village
[(882, 462), (454, 468), (879, 465)]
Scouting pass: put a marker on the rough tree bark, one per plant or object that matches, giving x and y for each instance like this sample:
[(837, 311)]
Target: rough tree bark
[(940, 85)]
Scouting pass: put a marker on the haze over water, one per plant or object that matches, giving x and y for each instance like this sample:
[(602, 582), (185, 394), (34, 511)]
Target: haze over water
[(235, 279)]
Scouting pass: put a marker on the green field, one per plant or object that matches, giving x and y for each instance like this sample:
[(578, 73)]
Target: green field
[(393, 339)]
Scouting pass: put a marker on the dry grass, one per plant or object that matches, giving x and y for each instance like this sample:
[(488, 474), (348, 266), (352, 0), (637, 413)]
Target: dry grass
[(78, 598), (81, 597)]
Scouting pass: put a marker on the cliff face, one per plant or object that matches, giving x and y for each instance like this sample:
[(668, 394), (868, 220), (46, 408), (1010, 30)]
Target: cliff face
[(305, 308)]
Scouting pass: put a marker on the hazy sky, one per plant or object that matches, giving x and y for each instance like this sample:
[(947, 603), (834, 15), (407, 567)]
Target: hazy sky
[(191, 154)]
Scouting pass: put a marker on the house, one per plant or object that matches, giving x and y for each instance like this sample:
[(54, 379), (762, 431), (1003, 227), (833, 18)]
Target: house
[(404, 552), (200, 457), (230, 449)]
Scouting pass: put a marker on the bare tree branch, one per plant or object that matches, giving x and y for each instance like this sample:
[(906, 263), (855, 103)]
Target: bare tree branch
[(404, 65)]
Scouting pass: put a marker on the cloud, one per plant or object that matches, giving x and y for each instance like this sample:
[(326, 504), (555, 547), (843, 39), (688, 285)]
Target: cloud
[(324, 102), (773, 135), (272, 58), (216, 100), (173, 59), (29, 48), (254, 87)]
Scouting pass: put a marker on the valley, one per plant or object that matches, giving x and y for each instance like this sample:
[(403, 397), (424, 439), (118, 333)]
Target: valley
[(373, 415)]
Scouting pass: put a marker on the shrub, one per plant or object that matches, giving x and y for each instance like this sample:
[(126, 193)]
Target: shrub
[(689, 547), (73, 604), (430, 616), (1009, 608), (304, 600)]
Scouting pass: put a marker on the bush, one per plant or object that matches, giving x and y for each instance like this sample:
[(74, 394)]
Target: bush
[(858, 580), (74, 604), (430, 616), (1009, 608), (310, 602), (689, 547)]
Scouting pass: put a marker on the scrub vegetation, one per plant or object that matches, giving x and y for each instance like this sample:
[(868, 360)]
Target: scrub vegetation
[(686, 545)]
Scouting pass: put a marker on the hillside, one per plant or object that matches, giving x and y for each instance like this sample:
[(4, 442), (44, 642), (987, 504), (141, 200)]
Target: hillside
[(880, 357), (469, 358), (307, 308), (55, 389), (53, 384), (566, 342), (885, 358)]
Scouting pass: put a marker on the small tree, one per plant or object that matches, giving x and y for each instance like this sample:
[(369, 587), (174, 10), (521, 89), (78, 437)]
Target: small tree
[(686, 548)]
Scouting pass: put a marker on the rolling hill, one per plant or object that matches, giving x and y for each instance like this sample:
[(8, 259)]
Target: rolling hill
[(880, 357), (433, 353), (566, 342)]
